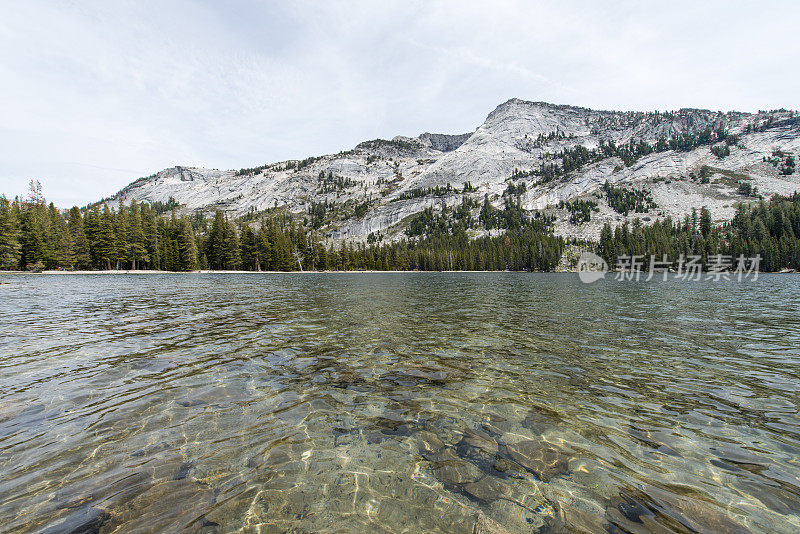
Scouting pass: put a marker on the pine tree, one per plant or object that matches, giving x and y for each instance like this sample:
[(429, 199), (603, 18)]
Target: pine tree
[(136, 250), (81, 257), (264, 247), (150, 230), (120, 249), (249, 248), (705, 221), (187, 246), (9, 236), (91, 224), (215, 242), (34, 247), (59, 241), (231, 253), (104, 238), (607, 244)]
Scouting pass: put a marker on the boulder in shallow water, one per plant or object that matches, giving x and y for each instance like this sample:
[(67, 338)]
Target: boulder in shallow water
[(487, 489), (84, 520), (657, 509), (428, 442), (173, 506), (487, 525), (457, 472), (502, 465), (414, 376), (539, 419), (543, 459), (442, 456), (478, 439), (394, 427)]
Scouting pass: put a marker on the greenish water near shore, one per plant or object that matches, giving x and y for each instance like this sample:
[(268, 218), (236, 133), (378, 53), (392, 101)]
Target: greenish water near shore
[(389, 402)]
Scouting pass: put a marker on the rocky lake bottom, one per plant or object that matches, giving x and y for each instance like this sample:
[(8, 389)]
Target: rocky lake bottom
[(398, 402)]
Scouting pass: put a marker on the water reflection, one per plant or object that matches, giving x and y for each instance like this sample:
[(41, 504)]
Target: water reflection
[(398, 402)]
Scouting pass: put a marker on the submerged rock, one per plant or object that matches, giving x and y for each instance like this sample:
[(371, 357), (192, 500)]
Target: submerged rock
[(428, 442), (649, 439), (191, 403), (392, 427), (442, 455), (479, 448), (515, 516), (478, 439), (487, 525), (576, 515), (487, 489), (503, 465), (540, 418), (85, 520), (352, 382), (11, 409), (634, 509), (415, 376), (183, 470), (539, 457), (456, 472), (172, 506)]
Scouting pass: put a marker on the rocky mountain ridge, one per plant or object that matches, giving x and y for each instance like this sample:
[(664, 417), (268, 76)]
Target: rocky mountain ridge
[(543, 156)]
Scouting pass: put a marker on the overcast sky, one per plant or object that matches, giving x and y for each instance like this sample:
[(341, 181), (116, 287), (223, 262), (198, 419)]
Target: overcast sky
[(96, 94)]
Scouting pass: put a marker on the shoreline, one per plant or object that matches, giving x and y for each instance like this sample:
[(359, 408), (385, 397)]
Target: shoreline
[(113, 272), (143, 272)]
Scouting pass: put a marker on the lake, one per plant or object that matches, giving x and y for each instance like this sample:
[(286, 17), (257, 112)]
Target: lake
[(398, 402)]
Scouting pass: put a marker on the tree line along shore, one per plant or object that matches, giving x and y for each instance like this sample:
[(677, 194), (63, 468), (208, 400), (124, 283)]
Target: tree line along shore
[(37, 236)]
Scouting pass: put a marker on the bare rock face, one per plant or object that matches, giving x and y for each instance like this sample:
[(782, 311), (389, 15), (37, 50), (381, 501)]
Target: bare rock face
[(394, 178), (443, 142)]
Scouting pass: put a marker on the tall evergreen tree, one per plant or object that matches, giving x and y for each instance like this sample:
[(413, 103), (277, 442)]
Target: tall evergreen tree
[(105, 238), (120, 248), (81, 257), (249, 248), (150, 230), (187, 247), (9, 236), (136, 249), (91, 227), (215, 251), (231, 252), (34, 246)]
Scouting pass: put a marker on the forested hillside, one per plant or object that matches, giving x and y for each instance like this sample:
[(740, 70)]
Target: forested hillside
[(35, 235), (769, 229)]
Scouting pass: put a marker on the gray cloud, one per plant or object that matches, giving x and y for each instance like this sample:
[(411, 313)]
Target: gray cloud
[(95, 94)]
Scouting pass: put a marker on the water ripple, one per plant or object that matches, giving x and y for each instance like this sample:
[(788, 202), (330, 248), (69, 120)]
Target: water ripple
[(398, 402)]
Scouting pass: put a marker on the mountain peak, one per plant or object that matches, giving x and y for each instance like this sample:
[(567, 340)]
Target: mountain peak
[(552, 155)]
